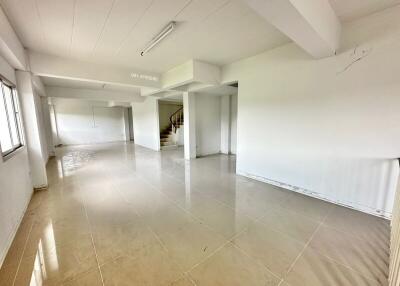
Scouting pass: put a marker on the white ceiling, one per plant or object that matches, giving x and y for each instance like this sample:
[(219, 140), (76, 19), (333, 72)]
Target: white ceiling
[(114, 31), (349, 10), (60, 82)]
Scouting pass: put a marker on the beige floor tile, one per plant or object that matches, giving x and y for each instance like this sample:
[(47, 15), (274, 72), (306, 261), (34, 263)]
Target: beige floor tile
[(293, 224), (191, 244), (307, 206), (54, 265), (230, 266), (113, 213), (364, 226), (149, 266), (226, 221), (153, 215), (313, 269), (7, 274), (61, 207), (355, 253), (115, 241), (252, 204), (182, 282), (92, 278), (16, 249), (57, 232), (166, 218), (277, 251)]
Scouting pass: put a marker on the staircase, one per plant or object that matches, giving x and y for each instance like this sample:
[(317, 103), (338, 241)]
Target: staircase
[(169, 136)]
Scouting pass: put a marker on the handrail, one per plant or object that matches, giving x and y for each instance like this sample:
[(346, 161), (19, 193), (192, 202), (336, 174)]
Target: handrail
[(174, 126)]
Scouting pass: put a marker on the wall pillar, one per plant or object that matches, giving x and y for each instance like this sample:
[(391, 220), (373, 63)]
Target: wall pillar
[(189, 115), (126, 125), (47, 125), (53, 123), (225, 124), (33, 141)]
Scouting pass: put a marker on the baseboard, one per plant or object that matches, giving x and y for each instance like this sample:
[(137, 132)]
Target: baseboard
[(13, 233), (351, 205), (38, 189)]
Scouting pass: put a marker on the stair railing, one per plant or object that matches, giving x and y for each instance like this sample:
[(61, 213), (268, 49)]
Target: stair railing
[(176, 119)]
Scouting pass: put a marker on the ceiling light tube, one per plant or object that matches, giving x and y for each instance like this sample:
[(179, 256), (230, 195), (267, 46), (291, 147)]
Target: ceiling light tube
[(165, 32)]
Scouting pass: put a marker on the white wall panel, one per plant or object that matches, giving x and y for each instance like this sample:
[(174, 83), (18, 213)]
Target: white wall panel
[(15, 187), (81, 122), (145, 123), (208, 124), (326, 127)]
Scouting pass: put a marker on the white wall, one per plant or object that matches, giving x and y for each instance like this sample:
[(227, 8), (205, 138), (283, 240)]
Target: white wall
[(329, 127), (233, 129), (88, 122), (208, 124), (15, 186), (225, 124), (34, 139), (180, 136), (145, 123), (228, 123)]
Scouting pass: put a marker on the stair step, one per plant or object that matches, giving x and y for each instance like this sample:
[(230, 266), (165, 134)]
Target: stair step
[(170, 147)]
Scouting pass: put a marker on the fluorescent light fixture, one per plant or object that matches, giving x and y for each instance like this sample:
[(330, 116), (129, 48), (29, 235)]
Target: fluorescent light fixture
[(165, 32)]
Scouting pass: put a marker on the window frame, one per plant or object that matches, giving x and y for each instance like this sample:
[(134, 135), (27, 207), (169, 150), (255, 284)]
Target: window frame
[(17, 118)]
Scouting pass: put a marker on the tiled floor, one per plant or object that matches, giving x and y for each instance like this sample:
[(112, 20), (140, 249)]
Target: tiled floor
[(117, 214)]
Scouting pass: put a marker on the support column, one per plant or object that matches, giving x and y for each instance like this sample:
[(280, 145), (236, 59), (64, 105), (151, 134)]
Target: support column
[(54, 126), (34, 143), (225, 124), (126, 125), (189, 115), (47, 125)]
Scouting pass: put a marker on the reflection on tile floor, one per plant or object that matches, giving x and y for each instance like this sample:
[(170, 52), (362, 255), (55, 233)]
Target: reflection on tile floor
[(118, 214)]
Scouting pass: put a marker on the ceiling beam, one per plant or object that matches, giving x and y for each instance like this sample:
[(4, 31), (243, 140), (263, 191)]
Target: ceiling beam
[(52, 66), (38, 85), (93, 94), (11, 48), (190, 72), (311, 24), (190, 76)]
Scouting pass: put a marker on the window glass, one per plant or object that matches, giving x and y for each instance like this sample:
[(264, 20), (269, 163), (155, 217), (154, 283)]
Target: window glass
[(18, 116), (5, 136), (10, 121)]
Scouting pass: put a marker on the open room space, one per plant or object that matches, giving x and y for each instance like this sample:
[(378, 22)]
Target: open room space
[(199, 142)]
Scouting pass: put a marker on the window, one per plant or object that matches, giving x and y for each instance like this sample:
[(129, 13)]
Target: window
[(10, 120)]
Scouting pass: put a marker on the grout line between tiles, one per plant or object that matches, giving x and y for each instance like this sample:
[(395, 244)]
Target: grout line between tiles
[(23, 252), (306, 245), (255, 260), (93, 244), (322, 224), (207, 257), (168, 197), (184, 274), (158, 238)]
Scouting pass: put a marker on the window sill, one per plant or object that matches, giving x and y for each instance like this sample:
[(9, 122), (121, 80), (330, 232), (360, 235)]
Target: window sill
[(13, 153)]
